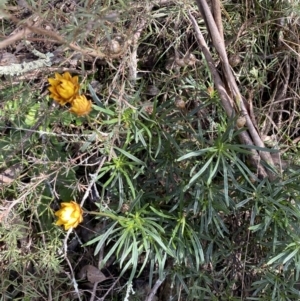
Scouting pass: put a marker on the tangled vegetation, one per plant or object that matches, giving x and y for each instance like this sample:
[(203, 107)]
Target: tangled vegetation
[(176, 205)]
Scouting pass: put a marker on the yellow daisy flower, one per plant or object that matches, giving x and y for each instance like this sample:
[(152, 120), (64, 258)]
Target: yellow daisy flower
[(70, 215), (63, 88)]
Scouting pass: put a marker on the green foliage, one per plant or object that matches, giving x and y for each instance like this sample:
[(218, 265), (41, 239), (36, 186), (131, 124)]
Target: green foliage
[(136, 234), (167, 190)]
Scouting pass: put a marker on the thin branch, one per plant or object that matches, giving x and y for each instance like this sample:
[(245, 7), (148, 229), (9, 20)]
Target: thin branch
[(236, 95), (14, 38), (133, 61), (73, 279), (93, 180), (154, 289), (110, 289), (220, 47), (29, 27), (226, 100), (216, 9)]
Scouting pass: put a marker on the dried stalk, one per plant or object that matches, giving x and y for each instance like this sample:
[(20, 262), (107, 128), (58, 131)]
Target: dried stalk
[(153, 291), (226, 100), (216, 9), (231, 83)]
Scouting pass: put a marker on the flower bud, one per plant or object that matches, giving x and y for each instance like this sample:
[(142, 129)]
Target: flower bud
[(80, 106)]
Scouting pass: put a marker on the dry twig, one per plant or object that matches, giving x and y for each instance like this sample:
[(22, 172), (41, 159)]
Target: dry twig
[(216, 8), (154, 289), (235, 97)]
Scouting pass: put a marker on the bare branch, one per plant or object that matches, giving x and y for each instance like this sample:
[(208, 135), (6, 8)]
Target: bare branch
[(154, 289), (216, 9), (231, 83), (226, 100)]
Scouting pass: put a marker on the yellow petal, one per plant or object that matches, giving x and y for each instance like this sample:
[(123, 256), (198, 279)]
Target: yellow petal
[(53, 82), (75, 80), (67, 76), (81, 106), (58, 76), (67, 227), (65, 204), (59, 223)]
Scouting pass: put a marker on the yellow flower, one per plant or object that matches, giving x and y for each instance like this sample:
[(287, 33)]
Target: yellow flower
[(70, 215), (81, 106), (63, 88)]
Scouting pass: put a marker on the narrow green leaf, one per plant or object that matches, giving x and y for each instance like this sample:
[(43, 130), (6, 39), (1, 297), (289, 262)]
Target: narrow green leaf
[(159, 213), (106, 112), (276, 258), (196, 153), (130, 156), (212, 174), (199, 173), (130, 184), (159, 241), (94, 95), (225, 180), (291, 255)]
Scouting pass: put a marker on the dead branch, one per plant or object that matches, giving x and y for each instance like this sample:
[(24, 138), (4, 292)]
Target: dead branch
[(216, 9), (154, 290), (226, 100), (236, 97)]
